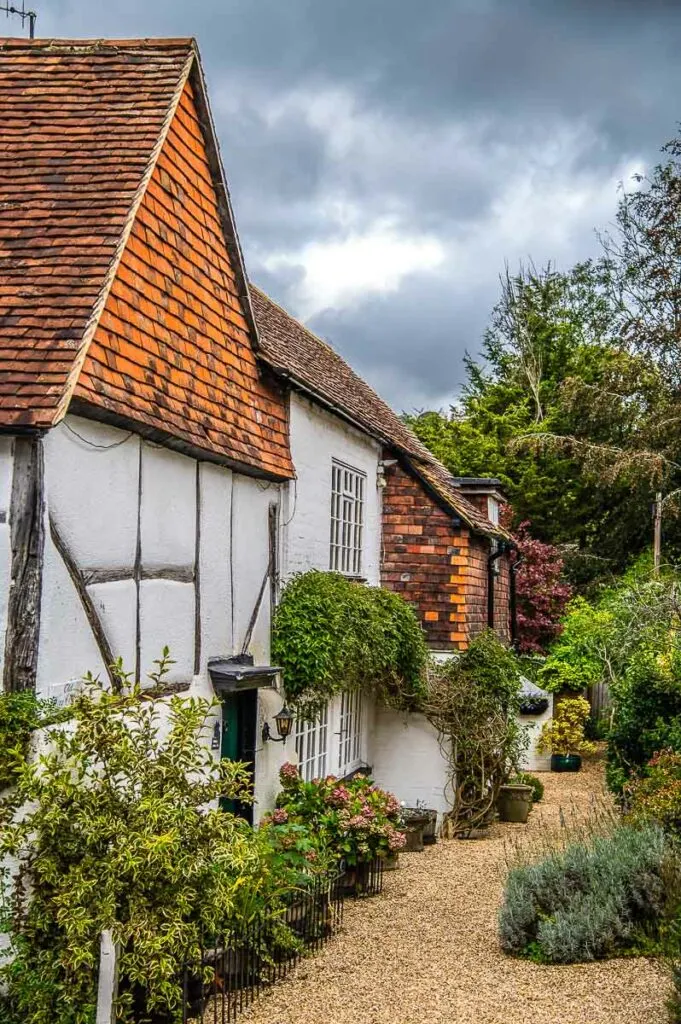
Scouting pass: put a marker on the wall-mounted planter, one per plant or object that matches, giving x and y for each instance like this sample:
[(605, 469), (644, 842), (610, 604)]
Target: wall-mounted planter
[(565, 762), (534, 705)]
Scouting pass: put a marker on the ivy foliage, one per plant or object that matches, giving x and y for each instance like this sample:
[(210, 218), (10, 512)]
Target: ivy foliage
[(332, 634), (113, 829)]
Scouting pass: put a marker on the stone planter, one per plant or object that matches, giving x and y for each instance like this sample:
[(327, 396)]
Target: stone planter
[(565, 762), (430, 829), (514, 803), (391, 862), (414, 823)]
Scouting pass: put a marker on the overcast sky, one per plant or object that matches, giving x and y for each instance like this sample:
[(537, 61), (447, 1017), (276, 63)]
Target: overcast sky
[(387, 156)]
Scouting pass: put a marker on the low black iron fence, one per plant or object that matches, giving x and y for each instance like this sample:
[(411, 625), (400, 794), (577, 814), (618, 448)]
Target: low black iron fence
[(363, 879), (234, 968)]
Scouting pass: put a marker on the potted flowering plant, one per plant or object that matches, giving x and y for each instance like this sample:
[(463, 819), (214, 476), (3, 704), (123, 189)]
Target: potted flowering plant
[(354, 819), (563, 736)]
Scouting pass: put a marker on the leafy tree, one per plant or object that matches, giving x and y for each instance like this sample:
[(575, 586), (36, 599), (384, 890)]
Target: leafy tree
[(547, 329), (541, 591), (626, 426)]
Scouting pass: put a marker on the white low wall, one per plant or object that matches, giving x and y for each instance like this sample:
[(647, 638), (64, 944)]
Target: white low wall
[(406, 758), (533, 760)]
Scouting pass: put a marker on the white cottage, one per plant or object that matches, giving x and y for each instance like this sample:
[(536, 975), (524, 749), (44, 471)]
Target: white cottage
[(144, 447), (173, 444)]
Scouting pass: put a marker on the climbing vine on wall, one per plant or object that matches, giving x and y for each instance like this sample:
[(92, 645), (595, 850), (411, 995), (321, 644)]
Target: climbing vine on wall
[(331, 634), (473, 702)]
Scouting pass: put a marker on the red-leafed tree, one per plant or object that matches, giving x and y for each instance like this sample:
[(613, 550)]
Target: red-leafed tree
[(541, 592)]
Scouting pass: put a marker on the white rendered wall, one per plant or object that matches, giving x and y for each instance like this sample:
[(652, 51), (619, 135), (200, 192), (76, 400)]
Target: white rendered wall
[(405, 754), (107, 489), (318, 437), (533, 760)]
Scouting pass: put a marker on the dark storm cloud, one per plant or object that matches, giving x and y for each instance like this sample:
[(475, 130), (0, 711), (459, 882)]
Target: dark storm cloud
[(454, 106)]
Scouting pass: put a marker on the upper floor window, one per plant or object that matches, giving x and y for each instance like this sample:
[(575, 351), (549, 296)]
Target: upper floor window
[(347, 519), (493, 510)]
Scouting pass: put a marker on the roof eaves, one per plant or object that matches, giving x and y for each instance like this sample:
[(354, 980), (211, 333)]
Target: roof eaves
[(298, 385), (474, 520)]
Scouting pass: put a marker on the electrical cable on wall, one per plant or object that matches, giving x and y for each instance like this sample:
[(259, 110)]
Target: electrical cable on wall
[(93, 444)]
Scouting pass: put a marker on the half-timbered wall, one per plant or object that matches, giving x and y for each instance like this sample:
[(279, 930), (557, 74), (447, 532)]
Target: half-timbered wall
[(143, 548)]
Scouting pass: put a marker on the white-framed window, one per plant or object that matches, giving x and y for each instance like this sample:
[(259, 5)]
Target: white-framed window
[(350, 732), (348, 487), (334, 742), (312, 742), (493, 510)]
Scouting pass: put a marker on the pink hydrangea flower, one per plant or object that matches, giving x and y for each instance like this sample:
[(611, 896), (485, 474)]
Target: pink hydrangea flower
[(288, 774), (311, 855), (368, 813), (339, 797), (397, 840), (280, 816), (392, 806)]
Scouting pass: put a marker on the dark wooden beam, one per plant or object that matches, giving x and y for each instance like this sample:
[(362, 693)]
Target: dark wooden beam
[(197, 575), (117, 574), (27, 541), (91, 613)]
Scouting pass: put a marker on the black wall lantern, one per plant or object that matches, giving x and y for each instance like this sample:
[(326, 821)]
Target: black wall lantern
[(284, 723)]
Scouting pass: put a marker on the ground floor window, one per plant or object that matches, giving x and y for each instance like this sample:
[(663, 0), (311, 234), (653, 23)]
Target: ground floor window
[(335, 741), (312, 740), (350, 732)]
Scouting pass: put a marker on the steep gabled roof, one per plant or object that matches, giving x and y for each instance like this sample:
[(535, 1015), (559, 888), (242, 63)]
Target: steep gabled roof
[(122, 287), (307, 362)]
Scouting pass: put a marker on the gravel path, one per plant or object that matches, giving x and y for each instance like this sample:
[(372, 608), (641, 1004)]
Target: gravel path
[(427, 951)]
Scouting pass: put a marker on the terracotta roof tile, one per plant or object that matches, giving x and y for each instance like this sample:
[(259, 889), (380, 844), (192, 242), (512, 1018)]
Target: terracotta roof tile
[(121, 282), (300, 356)]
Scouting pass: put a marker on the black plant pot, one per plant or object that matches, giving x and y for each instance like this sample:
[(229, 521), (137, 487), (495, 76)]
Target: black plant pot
[(565, 762)]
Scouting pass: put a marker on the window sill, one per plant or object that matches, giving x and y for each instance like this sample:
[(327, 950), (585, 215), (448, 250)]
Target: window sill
[(360, 769)]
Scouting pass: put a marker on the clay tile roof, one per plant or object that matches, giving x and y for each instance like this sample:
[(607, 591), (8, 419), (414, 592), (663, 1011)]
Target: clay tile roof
[(298, 355), (93, 135), (78, 122)]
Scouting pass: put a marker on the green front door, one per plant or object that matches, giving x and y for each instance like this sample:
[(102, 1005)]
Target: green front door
[(239, 719)]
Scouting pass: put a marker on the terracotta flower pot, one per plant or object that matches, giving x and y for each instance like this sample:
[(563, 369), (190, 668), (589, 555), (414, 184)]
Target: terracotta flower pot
[(514, 803)]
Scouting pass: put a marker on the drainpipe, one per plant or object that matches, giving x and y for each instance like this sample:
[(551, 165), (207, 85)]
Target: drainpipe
[(512, 597), (504, 548), (491, 559)]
